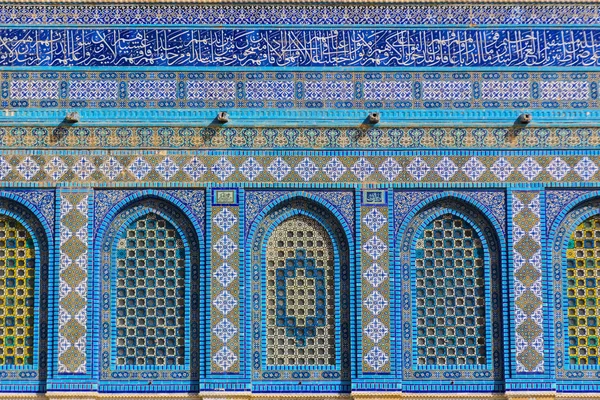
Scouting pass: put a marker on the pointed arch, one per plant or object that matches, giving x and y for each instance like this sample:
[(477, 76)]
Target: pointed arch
[(574, 256), (300, 264), (24, 268), (149, 260), (449, 268)]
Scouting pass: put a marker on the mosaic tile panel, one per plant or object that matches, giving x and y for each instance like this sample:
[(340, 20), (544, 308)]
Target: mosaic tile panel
[(51, 168), (179, 137), (300, 295), (73, 305), (527, 264), (269, 14), (17, 291), (24, 264), (450, 294), (150, 294), (375, 241), (287, 47), (393, 90), (225, 289), (573, 268), (583, 293)]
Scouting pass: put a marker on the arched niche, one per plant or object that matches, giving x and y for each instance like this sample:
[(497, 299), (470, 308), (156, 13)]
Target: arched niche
[(450, 305), (149, 263), (300, 303)]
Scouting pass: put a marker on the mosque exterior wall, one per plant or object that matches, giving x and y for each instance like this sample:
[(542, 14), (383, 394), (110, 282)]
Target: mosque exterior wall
[(279, 200)]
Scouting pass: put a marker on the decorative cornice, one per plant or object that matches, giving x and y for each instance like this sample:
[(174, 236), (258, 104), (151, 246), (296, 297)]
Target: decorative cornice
[(303, 2), (303, 14), (289, 396)]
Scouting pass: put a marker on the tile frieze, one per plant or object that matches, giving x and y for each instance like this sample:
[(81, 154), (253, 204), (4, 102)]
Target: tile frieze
[(118, 168), (293, 14), (360, 137), (290, 90)]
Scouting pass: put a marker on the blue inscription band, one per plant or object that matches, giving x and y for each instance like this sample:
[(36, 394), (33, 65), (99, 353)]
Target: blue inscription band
[(296, 47)]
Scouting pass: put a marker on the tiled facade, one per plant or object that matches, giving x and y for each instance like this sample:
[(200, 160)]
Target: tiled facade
[(297, 248)]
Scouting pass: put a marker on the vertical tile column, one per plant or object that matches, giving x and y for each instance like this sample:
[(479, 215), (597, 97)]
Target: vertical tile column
[(225, 281), (74, 249), (527, 281), (375, 285)]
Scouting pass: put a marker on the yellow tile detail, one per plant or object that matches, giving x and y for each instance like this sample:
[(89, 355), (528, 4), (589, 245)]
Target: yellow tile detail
[(17, 280), (583, 292)]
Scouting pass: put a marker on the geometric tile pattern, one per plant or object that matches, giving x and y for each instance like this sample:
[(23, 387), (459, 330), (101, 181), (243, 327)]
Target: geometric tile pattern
[(291, 167), (583, 292), (391, 90), (73, 286), (150, 294), (152, 89), (446, 90), (184, 137), (24, 264), (565, 90), (574, 277), (91, 89), (300, 294), (34, 89), (375, 287), (574, 284), (225, 290), (450, 287), (17, 288), (527, 264), (300, 14)]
